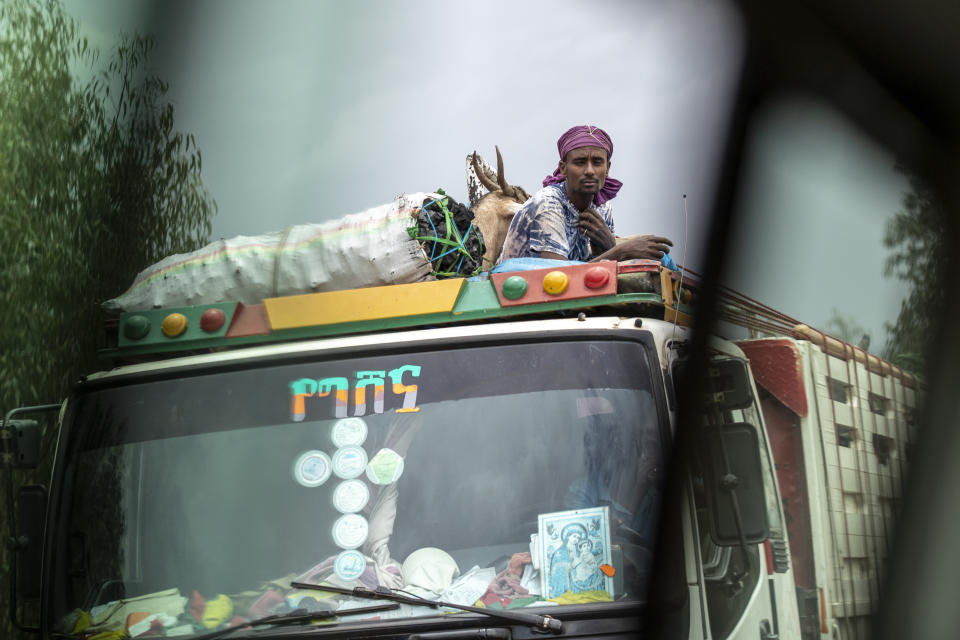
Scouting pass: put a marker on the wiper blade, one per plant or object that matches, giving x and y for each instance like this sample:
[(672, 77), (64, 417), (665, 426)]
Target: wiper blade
[(537, 621), (297, 616)]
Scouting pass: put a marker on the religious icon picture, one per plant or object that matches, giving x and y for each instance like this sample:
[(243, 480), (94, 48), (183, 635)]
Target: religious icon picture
[(574, 545)]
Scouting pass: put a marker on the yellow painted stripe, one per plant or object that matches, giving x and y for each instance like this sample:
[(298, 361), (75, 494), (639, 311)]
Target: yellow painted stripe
[(357, 305)]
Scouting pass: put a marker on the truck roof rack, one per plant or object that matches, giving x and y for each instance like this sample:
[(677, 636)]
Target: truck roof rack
[(635, 287), (742, 310)]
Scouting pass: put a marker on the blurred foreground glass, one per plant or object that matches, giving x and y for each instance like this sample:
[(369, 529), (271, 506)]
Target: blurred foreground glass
[(829, 239)]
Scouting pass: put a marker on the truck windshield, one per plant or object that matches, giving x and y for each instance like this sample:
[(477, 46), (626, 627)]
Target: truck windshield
[(507, 475)]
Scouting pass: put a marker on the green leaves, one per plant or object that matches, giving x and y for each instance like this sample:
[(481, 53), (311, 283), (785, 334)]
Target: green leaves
[(915, 235), (96, 183)]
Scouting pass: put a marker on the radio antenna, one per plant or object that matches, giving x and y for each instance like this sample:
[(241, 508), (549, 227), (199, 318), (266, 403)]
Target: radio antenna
[(683, 261)]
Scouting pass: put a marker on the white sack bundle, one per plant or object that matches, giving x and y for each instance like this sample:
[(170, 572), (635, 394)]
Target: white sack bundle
[(365, 249)]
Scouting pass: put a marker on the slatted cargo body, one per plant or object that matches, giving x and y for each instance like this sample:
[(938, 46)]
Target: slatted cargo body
[(840, 433), (862, 425)]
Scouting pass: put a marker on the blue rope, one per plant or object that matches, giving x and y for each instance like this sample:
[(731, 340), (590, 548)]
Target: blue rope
[(449, 221), (434, 247), (463, 254), (448, 218)]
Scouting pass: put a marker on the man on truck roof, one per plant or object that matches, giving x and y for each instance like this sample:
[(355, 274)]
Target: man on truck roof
[(571, 217)]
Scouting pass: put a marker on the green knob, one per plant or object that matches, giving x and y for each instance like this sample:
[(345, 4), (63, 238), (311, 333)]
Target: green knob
[(136, 327), (514, 287)]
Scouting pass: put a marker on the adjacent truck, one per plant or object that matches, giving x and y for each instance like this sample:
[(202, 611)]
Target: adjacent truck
[(841, 423), (458, 458)]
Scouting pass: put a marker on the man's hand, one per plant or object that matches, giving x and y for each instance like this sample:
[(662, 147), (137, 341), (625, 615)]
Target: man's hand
[(633, 247), (592, 224)]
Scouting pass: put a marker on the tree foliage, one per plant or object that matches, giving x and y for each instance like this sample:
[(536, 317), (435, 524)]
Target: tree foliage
[(915, 236), (95, 184)]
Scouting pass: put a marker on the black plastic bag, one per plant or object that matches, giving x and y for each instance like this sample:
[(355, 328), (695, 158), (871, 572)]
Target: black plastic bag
[(454, 245)]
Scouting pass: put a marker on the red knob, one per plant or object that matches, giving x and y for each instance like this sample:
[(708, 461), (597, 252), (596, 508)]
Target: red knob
[(596, 277), (212, 319)]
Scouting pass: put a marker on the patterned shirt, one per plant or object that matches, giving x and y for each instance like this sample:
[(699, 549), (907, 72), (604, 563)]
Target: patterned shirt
[(548, 222)]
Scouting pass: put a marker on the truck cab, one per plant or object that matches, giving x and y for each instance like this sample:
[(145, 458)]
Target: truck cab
[(477, 468)]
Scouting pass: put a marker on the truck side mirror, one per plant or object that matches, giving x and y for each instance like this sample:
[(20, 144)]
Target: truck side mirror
[(728, 384), (20, 440), (23, 438), (28, 540), (733, 482)]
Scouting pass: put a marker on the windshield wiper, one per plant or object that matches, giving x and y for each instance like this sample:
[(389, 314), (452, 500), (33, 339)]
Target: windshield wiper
[(536, 621), (297, 616)]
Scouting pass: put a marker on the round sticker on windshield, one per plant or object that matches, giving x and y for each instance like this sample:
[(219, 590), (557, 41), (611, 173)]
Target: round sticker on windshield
[(349, 462), (349, 565), (385, 467), (350, 531), (350, 496), (312, 468), (348, 431)]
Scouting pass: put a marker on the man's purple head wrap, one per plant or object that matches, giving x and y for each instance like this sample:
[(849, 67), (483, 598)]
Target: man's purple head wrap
[(586, 136)]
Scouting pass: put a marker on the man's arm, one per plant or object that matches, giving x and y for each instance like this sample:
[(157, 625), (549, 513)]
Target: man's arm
[(595, 227), (645, 247)]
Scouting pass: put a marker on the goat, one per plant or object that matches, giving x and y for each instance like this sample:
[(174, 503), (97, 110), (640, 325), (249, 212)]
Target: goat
[(494, 210)]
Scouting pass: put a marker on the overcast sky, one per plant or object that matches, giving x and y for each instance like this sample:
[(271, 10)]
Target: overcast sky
[(813, 207), (306, 111)]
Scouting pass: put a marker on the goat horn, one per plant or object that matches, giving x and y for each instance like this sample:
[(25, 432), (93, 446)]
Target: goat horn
[(481, 176), (504, 187)]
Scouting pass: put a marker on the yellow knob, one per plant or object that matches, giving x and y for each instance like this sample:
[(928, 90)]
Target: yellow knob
[(173, 325), (555, 282)]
